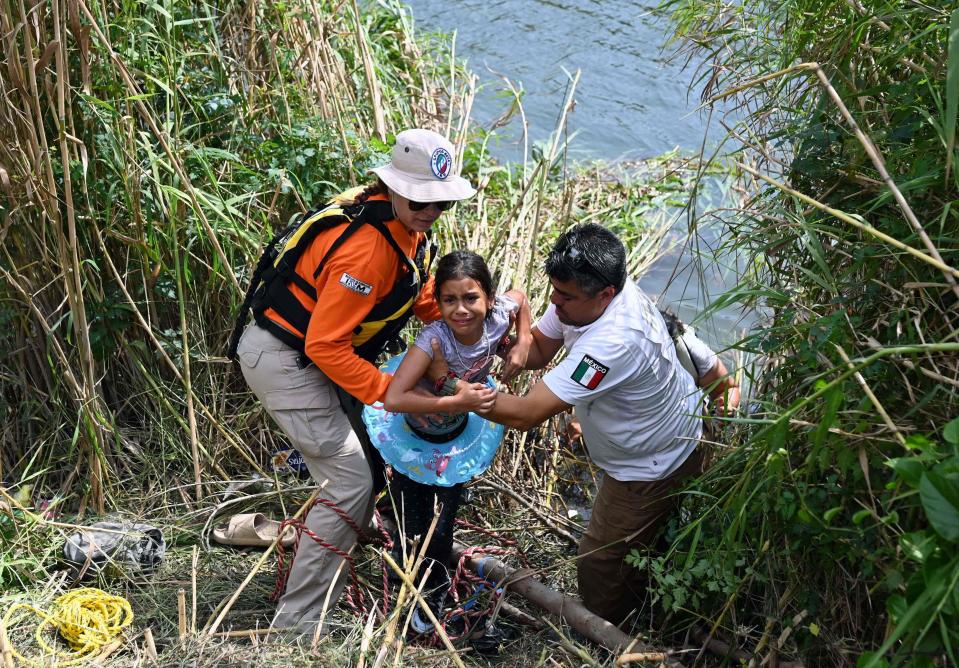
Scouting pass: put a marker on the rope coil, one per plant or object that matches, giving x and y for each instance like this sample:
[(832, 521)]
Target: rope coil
[(88, 619)]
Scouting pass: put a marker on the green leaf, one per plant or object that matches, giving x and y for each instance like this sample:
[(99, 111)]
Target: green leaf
[(830, 514), (918, 545), (861, 516), (909, 469), (952, 87), (951, 432), (872, 660), (920, 443), (833, 400), (940, 500), (896, 606)]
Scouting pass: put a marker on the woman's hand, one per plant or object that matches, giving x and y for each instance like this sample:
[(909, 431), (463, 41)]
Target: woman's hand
[(438, 366), (475, 397)]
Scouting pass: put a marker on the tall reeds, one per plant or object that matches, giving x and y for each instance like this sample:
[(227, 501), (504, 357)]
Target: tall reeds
[(148, 150), (843, 128), (151, 149)]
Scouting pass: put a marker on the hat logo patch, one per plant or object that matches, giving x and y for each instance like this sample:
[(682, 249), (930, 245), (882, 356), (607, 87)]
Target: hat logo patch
[(441, 163)]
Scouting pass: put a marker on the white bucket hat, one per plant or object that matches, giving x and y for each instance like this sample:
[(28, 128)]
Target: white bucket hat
[(421, 168)]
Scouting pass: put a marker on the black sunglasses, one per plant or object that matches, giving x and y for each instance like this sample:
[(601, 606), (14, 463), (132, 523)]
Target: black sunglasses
[(445, 205), (577, 260)]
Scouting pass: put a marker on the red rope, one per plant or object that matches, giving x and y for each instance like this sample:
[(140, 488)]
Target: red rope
[(354, 594), (464, 584), (467, 581)]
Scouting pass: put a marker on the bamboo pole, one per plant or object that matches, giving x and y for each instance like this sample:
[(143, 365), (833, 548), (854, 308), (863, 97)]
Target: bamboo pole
[(180, 267), (181, 613), (846, 218), (570, 609), (376, 97), (874, 156), (408, 582), (6, 651), (175, 163)]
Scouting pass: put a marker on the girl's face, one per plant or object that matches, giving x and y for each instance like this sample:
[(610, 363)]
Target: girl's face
[(464, 306)]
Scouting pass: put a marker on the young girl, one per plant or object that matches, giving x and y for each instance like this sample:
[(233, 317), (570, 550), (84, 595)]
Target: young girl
[(433, 445)]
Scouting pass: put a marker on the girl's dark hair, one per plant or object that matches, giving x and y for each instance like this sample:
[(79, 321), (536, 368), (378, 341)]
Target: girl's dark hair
[(378, 188), (463, 264), (674, 325)]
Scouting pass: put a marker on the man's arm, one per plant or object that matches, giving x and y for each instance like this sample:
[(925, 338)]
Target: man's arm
[(528, 411), (543, 350)]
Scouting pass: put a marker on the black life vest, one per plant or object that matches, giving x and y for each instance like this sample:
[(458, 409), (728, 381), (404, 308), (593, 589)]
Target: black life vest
[(269, 287)]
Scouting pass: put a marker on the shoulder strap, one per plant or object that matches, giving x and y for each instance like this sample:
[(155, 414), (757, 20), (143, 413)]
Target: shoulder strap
[(374, 213)]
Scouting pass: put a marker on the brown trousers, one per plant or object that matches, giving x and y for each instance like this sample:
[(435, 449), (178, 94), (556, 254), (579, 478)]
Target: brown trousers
[(626, 516)]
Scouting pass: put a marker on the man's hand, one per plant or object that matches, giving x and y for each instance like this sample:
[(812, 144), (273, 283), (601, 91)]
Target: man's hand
[(438, 368), (476, 397), (574, 431)]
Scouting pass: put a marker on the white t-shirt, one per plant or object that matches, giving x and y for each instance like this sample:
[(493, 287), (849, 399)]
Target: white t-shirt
[(701, 357), (638, 408)]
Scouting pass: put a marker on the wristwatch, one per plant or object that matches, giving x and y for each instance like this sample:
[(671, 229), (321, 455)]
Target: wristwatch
[(446, 385)]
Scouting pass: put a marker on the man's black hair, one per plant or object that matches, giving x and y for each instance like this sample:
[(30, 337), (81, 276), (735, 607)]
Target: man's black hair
[(590, 255)]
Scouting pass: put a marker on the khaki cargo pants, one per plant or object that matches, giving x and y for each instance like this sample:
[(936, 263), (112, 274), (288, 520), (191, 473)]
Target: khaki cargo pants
[(626, 515), (304, 404)]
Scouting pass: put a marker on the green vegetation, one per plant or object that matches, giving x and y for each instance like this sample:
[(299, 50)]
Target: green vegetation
[(830, 533), (148, 150)]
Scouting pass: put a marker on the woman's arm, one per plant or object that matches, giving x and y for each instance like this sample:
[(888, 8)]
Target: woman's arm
[(723, 388), (402, 395), (517, 354)]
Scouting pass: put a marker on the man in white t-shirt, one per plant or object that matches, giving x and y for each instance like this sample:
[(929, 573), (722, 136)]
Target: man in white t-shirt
[(638, 407)]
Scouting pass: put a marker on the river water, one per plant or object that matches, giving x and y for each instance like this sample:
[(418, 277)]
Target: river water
[(632, 102)]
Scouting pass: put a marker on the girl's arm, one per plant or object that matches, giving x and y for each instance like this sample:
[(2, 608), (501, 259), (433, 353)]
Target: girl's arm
[(402, 395), (519, 352)]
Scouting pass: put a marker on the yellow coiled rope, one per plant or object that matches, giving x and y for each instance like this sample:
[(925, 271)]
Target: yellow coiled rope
[(87, 619)]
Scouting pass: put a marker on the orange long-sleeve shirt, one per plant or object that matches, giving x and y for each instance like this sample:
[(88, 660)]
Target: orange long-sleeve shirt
[(367, 258)]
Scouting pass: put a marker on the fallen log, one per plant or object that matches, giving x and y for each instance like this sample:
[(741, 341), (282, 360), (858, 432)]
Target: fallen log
[(570, 609)]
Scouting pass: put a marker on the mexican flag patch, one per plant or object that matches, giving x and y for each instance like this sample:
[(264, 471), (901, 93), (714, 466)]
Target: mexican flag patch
[(589, 373)]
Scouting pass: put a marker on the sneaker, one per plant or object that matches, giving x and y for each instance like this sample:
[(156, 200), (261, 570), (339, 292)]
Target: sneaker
[(420, 623)]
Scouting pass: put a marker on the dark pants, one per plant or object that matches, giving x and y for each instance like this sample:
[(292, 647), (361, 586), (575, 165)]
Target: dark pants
[(413, 504), (626, 516)]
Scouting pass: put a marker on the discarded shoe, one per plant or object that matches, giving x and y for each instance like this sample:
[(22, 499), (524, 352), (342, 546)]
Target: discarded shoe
[(491, 639), (420, 623), (124, 544), (252, 530)]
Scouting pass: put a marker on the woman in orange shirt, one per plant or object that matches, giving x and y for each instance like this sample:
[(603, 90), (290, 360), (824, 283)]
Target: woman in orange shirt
[(344, 284)]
